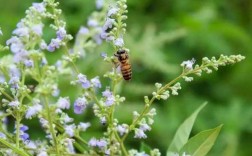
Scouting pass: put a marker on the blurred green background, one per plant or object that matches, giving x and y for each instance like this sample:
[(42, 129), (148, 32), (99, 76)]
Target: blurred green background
[(160, 35)]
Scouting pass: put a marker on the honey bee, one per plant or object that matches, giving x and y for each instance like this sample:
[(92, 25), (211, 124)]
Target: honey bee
[(125, 65)]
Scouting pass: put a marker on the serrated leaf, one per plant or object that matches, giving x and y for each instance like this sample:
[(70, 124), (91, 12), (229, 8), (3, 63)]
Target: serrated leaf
[(183, 132), (200, 144)]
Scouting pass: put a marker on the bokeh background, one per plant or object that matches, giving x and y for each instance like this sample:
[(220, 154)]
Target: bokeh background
[(160, 35)]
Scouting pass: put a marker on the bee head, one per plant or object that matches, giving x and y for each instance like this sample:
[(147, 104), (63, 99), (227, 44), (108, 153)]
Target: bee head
[(120, 51)]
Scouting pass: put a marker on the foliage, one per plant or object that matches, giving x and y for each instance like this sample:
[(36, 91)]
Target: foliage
[(33, 92)]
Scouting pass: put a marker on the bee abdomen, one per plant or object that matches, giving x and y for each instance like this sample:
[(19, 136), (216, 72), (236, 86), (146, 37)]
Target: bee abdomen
[(126, 71)]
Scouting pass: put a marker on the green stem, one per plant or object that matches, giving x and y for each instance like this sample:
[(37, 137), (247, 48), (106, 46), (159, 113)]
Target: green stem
[(14, 148), (7, 95), (162, 89), (96, 100), (121, 144), (111, 125), (77, 138), (18, 120), (29, 97), (73, 65), (51, 125), (147, 106), (17, 129)]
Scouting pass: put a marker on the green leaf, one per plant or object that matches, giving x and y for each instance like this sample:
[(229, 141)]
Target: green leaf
[(200, 144), (183, 132), (145, 148)]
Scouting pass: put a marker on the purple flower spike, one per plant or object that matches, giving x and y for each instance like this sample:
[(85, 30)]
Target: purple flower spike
[(84, 81), (79, 105)]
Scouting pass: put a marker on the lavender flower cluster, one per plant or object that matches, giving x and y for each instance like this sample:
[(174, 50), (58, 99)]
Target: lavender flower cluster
[(43, 101)]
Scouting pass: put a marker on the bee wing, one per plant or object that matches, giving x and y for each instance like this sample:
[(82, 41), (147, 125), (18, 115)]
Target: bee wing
[(118, 67)]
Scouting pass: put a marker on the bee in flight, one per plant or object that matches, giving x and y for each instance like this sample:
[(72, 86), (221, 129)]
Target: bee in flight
[(125, 65)]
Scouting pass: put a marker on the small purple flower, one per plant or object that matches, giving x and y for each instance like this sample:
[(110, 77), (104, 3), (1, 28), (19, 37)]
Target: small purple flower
[(16, 44), (14, 71), (2, 78), (40, 7), (188, 64), (96, 82), (110, 99), (63, 103), (92, 23), (14, 82), (42, 153), (145, 127), (43, 122), (58, 64), (103, 120), (119, 42), (83, 31), (97, 143), (24, 136), (38, 29), (122, 129), (43, 61), (97, 38), (21, 56), (108, 24), (43, 45), (83, 126), (28, 63), (33, 110), (61, 33), (104, 35), (141, 154), (99, 4), (55, 43), (107, 93), (110, 38), (84, 81), (21, 30), (2, 135), (101, 143), (14, 103), (92, 142), (55, 91), (140, 134), (69, 129), (66, 118), (31, 144), (69, 145), (79, 105), (112, 11), (104, 55)]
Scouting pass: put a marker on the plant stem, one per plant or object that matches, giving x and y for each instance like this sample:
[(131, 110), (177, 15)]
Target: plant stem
[(162, 89), (18, 120), (73, 65), (121, 144), (14, 148), (51, 128), (7, 95), (17, 128)]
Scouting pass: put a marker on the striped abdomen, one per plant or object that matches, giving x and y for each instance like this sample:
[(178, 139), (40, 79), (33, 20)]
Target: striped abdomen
[(126, 70)]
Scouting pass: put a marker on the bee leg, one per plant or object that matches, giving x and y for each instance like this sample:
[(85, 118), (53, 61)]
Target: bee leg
[(116, 63), (116, 55)]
